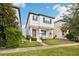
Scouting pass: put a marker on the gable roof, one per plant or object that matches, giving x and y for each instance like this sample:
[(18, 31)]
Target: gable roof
[(41, 15)]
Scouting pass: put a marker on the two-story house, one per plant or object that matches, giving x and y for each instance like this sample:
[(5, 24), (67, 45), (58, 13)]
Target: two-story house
[(39, 26)]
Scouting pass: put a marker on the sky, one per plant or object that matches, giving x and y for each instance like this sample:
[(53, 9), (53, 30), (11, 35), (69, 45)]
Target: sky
[(51, 9)]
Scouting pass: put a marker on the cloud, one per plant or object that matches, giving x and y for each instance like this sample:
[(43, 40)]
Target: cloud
[(56, 6), (22, 5), (48, 7), (62, 10)]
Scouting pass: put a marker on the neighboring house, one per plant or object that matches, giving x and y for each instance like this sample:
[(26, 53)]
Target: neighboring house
[(18, 20), (57, 29), (39, 26)]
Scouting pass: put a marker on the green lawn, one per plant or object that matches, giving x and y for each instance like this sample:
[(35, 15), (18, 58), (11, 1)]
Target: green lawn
[(28, 44), (49, 42), (57, 41), (65, 51)]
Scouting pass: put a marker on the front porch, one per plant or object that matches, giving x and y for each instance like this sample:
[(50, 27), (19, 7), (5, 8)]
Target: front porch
[(41, 33)]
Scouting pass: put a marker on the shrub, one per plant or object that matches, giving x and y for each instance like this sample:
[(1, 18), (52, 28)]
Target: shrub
[(2, 36), (13, 36), (33, 39), (28, 37), (23, 37), (70, 36), (73, 37), (77, 38)]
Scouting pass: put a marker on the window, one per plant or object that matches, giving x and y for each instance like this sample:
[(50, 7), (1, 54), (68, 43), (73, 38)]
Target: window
[(62, 33), (50, 21), (43, 32), (50, 33), (35, 18), (47, 21), (43, 20)]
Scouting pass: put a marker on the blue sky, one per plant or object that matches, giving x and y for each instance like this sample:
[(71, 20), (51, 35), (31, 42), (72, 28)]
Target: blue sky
[(50, 9)]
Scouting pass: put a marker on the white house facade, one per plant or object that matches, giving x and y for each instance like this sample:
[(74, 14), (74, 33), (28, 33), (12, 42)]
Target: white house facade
[(39, 26)]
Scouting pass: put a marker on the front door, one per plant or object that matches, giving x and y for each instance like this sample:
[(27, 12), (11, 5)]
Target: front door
[(34, 33)]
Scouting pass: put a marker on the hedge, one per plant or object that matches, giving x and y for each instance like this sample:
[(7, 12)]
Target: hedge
[(13, 36)]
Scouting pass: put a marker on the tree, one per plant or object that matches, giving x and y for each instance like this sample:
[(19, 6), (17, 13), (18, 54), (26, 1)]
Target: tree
[(71, 21), (8, 15), (7, 20), (2, 36)]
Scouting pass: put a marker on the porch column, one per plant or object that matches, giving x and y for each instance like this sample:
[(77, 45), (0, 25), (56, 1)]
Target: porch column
[(39, 32), (52, 33), (30, 35), (39, 35), (31, 31)]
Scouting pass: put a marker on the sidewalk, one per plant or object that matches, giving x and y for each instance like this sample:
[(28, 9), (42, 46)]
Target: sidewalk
[(36, 48)]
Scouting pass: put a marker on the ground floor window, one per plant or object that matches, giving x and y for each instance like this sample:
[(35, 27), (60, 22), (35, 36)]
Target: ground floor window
[(43, 32), (50, 33)]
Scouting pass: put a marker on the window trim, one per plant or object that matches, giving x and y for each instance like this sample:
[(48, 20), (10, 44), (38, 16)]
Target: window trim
[(35, 18), (46, 21), (43, 32)]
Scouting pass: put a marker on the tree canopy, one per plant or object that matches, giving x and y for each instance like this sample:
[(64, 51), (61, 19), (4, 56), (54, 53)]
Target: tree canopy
[(9, 31), (7, 15), (71, 22)]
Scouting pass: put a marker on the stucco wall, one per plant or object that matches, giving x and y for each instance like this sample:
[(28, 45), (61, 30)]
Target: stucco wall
[(57, 30)]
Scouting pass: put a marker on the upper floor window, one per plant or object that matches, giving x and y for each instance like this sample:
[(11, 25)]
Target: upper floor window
[(50, 21), (35, 18), (47, 21), (43, 20)]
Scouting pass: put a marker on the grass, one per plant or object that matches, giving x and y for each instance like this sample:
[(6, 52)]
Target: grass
[(65, 51), (47, 41), (57, 41), (28, 44)]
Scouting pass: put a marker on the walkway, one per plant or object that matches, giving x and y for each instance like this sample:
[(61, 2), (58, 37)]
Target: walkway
[(43, 44), (36, 48)]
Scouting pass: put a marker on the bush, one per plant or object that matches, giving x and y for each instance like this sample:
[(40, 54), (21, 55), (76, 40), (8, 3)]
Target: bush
[(2, 36), (70, 36), (73, 37), (13, 36), (32, 38), (77, 38), (28, 37)]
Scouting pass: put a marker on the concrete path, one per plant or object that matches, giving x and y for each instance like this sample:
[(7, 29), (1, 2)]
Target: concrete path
[(43, 44), (36, 48)]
